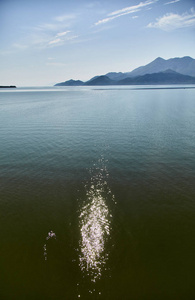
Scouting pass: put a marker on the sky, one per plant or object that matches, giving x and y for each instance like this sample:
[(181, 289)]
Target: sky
[(43, 42)]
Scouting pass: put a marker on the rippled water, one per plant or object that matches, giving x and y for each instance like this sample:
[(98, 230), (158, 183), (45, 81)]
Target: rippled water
[(97, 197), (95, 224)]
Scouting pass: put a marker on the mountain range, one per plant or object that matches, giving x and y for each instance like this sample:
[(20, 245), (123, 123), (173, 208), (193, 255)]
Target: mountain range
[(160, 71)]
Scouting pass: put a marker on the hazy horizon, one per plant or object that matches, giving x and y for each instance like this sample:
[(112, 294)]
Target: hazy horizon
[(43, 42)]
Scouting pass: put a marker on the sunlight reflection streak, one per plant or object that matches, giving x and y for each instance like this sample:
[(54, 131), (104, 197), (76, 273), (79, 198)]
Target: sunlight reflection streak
[(95, 227)]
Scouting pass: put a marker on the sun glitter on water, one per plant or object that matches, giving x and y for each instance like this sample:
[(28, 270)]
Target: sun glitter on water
[(95, 226)]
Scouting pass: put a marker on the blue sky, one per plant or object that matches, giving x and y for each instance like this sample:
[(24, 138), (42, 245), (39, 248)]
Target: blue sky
[(43, 42)]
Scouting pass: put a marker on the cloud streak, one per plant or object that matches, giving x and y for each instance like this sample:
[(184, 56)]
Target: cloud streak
[(172, 21), (63, 18), (49, 34), (56, 41), (46, 35), (62, 33), (60, 39), (125, 11), (131, 9), (171, 2), (56, 64)]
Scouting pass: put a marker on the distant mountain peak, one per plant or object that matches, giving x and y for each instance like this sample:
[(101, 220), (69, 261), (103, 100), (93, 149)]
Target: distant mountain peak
[(159, 59), (70, 82), (184, 65), (188, 58), (100, 80)]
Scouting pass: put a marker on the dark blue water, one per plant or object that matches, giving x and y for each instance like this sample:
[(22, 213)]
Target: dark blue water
[(97, 196)]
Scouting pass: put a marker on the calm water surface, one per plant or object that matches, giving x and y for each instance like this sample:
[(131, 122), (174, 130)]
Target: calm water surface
[(97, 193)]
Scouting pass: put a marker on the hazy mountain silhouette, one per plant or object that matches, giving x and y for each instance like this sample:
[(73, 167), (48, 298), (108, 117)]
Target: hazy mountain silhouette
[(184, 65), (166, 77), (160, 71), (70, 82), (100, 80), (117, 76)]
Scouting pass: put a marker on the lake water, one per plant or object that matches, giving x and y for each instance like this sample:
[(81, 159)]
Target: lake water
[(97, 193)]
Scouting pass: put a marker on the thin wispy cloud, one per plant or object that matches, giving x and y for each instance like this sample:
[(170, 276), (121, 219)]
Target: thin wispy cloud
[(171, 21), (62, 33), (46, 26), (56, 41), (132, 8), (56, 64), (45, 40), (53, 33), (52, 27), (66, 17), (46, 35), (20, 46), (125, 11), (171, 2), (60, 39), (114, 17)]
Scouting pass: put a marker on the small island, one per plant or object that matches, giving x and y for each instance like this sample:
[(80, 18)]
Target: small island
[(7, 86)]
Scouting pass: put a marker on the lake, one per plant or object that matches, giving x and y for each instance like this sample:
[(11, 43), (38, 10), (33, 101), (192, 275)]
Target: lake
[(97, 193)]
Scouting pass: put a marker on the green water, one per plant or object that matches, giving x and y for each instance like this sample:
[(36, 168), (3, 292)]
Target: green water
[(97, 196)]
